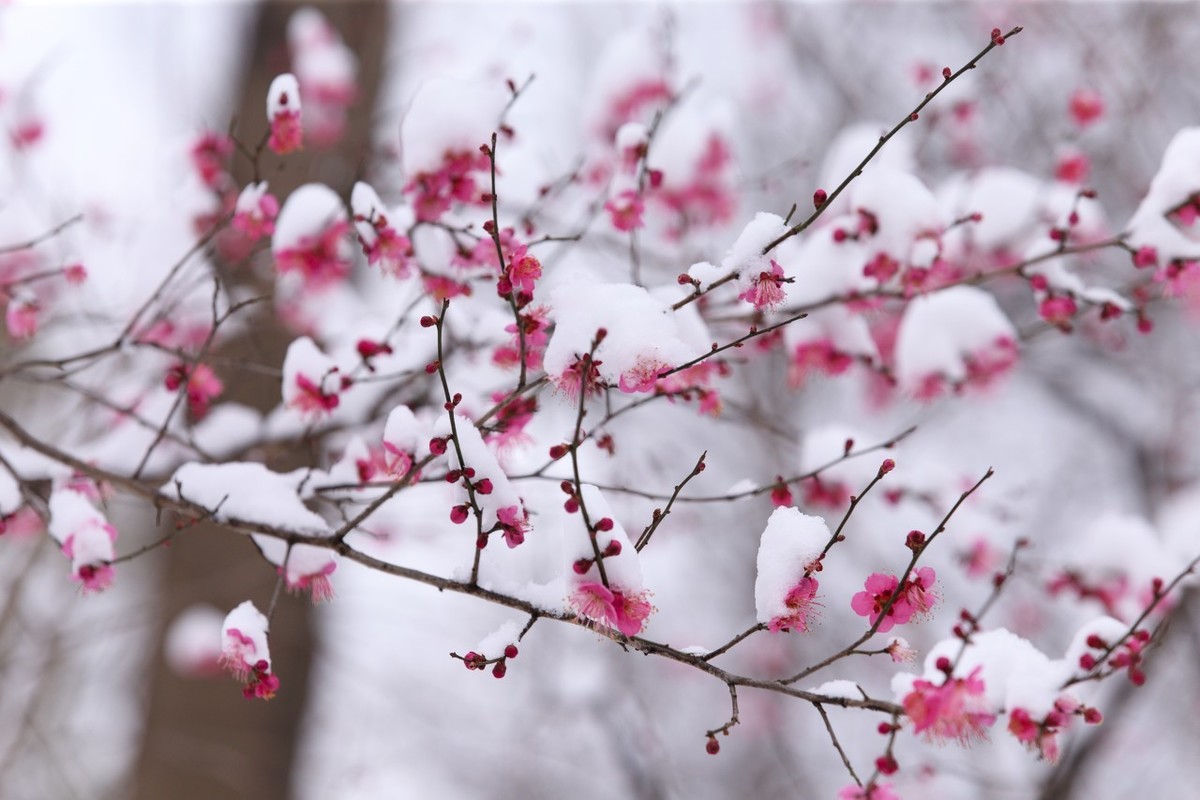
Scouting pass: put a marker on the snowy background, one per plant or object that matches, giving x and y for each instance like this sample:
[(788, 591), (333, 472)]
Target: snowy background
[(1099, 423)]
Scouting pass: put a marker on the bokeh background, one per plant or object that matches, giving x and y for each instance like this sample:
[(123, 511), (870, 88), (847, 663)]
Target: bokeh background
[(90, 706)]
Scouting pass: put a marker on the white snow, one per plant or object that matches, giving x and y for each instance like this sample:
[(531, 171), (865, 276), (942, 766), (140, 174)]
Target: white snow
[(790, 544), (642, 332), (308, 211), (843, 689), (745, 255), (448, 115), (246, 492), (283, 95), (938, 330), (248, 621)]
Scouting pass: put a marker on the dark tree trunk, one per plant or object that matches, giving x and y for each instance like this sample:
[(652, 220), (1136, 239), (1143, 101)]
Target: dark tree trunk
[(202, 740)]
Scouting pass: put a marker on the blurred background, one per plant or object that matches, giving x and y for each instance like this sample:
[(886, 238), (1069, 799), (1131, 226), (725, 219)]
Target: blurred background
[(102, 101)]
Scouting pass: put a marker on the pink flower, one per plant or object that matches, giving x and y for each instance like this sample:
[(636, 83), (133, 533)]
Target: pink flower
[(819, 355), (915, 597), (21, 317), (210, 155), (872, 791), (987, 364), (511, 419), (27, 133), (882, 268), (1073, 168), (287, 135), (625, 210), (534, 324), (312, 399), (918, 592), (514, 521), (317, 583), (766, 289), (954, 710), (633, 101), (870, 603), (574, 378), (440, 288), (1146, 256), (801, 604), (1058, 310), (88, 548), (643, 375), (22, 523), (981, 559), (396, 462), (319, 260), (76, 274), (255, 217), (611, 607), (594, 601), (453, 181), (203, 386), (392, 251), (245, 652), (900, 651), (830, 494), (261, 684), (1041, 737), (523, 270), (238, 653), (1086, 107)]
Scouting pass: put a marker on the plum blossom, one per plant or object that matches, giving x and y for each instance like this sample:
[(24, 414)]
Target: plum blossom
[(956, 710), (535, 326), (454, 181), (514, 522), (625, 210), (310, 237), (86, 538), (21, 316), (766, 289), (312, 381), (820, 355), (1041, 735), (382, 244), (699, 190), (210, 158), (245, 652), (203, 386), (283, 112), (801, 604), (401, 435), (789, 552), (1086, 107), (914, 598), (523, 271), (316, 583), (625, 611), (900, 651), (1058, 310), (643, 375), (255, 212)]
